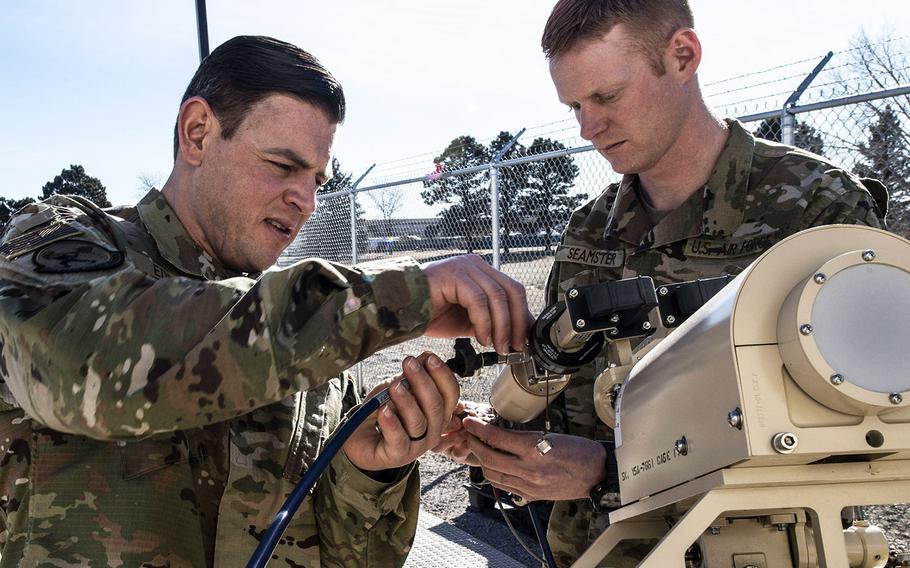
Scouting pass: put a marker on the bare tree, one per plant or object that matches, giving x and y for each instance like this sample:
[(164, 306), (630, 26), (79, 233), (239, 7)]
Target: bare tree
[(884, 62), (388, 200), (148, 181), (885, 151)]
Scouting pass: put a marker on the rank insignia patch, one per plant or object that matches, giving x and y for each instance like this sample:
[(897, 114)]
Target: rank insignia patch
[(75, 255)]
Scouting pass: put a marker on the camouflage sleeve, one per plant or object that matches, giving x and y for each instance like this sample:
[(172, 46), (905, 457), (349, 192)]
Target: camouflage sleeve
[(841, 199), (117, 354), (363, 522)]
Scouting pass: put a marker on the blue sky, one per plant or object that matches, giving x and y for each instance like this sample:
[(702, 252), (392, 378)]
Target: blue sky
[(98, 82)]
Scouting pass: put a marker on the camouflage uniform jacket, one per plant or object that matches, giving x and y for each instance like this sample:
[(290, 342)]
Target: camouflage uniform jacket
[(759, 193), (157, 408)]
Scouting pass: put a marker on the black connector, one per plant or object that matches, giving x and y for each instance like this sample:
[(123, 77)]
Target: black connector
[(467, 360)]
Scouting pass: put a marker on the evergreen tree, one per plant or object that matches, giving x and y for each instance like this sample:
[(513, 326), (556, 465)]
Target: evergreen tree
[(804, 136), (468, 195), (886, 157), (74, 181), (8, 206), (512, 182), (547, 204)]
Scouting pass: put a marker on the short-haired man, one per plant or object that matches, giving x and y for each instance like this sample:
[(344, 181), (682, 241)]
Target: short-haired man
[(700, 197), (161, 394)]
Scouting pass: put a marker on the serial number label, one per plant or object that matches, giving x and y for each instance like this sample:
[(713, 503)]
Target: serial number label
[(647, 465)]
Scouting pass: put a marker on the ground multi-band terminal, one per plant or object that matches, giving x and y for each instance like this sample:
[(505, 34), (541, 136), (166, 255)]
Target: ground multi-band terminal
[(752, 415)]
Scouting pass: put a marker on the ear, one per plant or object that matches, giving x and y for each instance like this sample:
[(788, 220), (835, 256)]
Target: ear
[(683, 54), (196, 125)]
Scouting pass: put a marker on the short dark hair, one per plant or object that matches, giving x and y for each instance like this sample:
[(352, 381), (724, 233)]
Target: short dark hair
[(651, 22), (244, 70)]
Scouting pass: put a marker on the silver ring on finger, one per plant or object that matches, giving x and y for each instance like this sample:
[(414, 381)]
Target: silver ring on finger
[(543, 445)]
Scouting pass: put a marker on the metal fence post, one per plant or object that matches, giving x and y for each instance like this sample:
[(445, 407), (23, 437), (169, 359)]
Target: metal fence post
[(353, 202), (787, 121), (353, 198), (494, 195), (494, 213)]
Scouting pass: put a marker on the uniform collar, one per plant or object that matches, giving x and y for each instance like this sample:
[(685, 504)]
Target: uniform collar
[(715, 210), (174, 242)]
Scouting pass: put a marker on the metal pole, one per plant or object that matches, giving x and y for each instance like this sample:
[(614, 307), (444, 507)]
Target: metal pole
[(358, 380), (787, 122), (494, 212), (353, 198), (202, 30), (494, 195)]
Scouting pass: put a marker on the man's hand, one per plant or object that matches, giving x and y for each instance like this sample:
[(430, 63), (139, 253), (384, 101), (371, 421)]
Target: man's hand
[(511, 462), (470, 297), (412, 422), (454, 443)]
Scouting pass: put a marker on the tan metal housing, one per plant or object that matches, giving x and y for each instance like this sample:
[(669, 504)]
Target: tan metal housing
[(788, 391)]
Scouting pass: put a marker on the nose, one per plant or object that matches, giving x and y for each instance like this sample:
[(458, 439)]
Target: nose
[(592, 122), (302, 196)]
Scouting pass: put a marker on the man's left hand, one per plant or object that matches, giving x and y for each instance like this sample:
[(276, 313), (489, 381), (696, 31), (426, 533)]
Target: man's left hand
[(412, 422)]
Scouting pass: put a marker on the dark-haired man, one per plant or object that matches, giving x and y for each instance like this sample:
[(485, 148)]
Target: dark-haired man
[(700, 197), (162, 391)]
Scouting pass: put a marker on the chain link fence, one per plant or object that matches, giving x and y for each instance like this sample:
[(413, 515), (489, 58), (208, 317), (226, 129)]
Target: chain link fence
[(508, 198)]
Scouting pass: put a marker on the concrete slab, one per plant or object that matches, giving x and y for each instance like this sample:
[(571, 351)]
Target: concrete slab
[(441, 545)]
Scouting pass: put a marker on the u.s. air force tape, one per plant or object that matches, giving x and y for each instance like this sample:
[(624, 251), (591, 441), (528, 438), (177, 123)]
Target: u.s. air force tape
[(75, 255)]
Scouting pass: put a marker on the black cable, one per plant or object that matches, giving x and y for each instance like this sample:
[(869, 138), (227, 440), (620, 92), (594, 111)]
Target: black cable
[(271, 537), (541, 536)]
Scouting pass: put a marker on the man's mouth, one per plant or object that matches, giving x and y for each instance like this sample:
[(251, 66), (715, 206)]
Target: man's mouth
[(611, 147), (280, 228)]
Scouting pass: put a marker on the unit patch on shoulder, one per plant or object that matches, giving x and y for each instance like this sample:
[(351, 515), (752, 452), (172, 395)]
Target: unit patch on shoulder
[(75, 255), (36, 239)]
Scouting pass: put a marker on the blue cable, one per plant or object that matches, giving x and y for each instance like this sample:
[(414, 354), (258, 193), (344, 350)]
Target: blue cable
[(271, 537)]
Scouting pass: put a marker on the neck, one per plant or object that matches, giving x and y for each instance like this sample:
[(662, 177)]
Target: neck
[(177, 193), (688, 164)]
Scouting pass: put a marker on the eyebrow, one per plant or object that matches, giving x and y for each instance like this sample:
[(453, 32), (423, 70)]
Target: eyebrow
[(297, 159)]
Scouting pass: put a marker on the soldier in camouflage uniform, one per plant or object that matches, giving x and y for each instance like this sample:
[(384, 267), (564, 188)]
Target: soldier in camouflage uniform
[(160, 397), (700, 198)]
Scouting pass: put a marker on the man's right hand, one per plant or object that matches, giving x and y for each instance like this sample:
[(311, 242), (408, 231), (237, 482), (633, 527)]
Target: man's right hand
[(512, 462), (470, 297)]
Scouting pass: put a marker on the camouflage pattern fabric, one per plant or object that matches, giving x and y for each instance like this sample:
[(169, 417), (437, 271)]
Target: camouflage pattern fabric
[(157, 408), (759, 193)]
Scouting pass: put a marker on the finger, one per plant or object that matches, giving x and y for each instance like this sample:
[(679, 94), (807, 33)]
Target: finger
[(380, 386), (462, 454), (518, 494), (497, 301), (450, 439), (520, 318), (445, 380), (505, 480), (408, 408), (453, 426), (473, 299), (492, 458), (514, 442), (395, 442)]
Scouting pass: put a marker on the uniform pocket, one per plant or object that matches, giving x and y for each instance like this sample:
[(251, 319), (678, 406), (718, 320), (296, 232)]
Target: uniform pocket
[(141, 457)]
